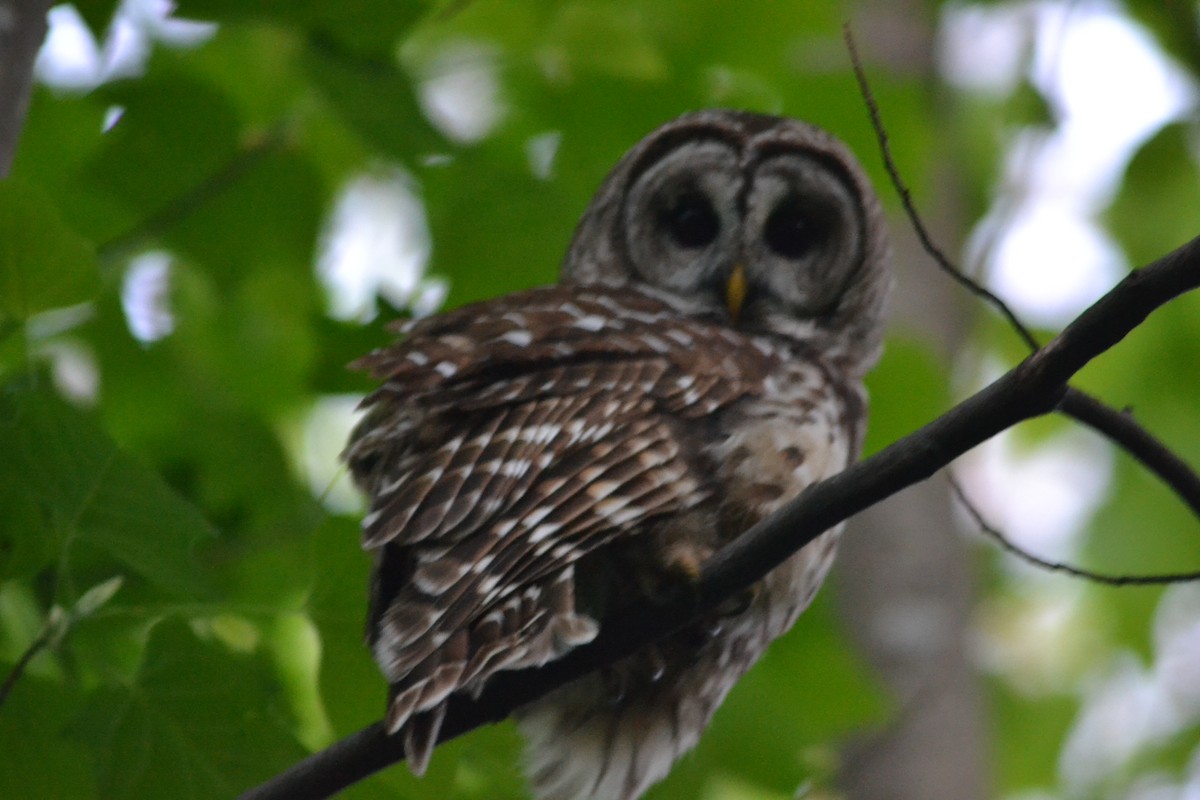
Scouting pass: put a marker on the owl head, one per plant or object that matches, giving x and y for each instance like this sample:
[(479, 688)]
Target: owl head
[(765, 223)]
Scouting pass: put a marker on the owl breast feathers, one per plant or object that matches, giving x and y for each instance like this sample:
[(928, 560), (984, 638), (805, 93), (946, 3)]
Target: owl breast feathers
[(537, 462)]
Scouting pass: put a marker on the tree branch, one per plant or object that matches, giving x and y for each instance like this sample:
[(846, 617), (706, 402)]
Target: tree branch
[(1121, 428), (1058, 566), (1036, 386), (22, 30)]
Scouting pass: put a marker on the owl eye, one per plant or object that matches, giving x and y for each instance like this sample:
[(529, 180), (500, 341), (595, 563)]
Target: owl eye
[(690, 221), (790, 231)]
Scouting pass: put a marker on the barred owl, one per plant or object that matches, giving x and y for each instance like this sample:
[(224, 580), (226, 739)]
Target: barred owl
[(537, 461)]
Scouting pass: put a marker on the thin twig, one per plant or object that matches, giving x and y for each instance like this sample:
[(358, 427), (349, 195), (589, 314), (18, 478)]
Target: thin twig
[(944, 263), (1058, 566), (179, 208), (1122, 428), (50, 631), (57, 624)]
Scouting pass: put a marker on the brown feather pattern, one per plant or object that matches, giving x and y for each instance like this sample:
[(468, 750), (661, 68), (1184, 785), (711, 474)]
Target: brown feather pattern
[(509, 440)]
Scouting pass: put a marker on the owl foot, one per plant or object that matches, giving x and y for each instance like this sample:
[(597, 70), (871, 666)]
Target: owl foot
[(646, 666)]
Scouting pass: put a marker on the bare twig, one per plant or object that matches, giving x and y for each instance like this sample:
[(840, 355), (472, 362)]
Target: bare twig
[(944, 263), (1058, 566), (49, 633), (22, 30), (1122, 428), (1034, 387), (179, 208)]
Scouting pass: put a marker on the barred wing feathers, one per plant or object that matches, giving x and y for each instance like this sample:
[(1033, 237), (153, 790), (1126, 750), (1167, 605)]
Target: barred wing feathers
[(509, 439)]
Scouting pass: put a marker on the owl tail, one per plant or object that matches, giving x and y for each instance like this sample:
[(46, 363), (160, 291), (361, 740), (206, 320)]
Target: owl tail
[(420, 734)]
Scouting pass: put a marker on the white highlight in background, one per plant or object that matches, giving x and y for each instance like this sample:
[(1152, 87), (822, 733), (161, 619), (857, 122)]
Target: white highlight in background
[(1052, 262), (146, 297), (541, 151), (1109, 82), (1040, 496), (323, 434), (460, 92), (982, 48), (72, 58), (376, 242), (1131, 708), (1109, 88)]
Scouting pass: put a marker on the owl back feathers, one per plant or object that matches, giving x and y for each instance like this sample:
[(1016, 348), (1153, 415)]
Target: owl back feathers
[(509, 440)]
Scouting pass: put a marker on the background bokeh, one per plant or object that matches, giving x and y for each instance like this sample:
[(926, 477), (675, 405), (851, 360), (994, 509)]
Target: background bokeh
[(214, 208)]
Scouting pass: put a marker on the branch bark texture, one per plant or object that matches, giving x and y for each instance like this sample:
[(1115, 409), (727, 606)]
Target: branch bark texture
[(1036, 386)]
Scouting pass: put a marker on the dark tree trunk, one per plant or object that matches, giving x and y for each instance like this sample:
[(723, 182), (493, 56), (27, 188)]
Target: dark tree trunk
[(22, 30)]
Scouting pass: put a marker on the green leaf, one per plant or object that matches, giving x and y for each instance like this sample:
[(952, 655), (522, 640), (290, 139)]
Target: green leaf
[(40, 758), (43, 263), (23, 553), (295, 644), (199, 721), (1028, 107), (907, 389), (367, 26), (1159, 205), (1174, 29), (352, 686), (604, 38), (374, 96), (1029, 733), (94, 498), (179, 143)]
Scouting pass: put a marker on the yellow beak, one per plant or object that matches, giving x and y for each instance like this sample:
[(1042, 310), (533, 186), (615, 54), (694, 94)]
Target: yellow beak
[(735, 291)]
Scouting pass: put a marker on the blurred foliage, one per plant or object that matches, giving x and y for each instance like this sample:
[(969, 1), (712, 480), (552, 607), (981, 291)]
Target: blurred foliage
[(234, 643)]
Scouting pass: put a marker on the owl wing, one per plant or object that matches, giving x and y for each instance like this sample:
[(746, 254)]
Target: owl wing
[(509, 440)]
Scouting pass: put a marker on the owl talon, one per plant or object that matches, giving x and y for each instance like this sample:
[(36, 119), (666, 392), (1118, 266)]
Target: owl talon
[(656, 666), (646, 665), (739, 604), (676, 574), (686, 563), (616, 684)]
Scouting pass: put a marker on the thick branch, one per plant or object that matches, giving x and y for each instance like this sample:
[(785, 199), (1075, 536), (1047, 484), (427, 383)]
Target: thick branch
[(22, 29), (1035, 387)]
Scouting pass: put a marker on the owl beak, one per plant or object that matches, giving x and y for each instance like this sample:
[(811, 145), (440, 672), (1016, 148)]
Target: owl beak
[(735, 291)]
